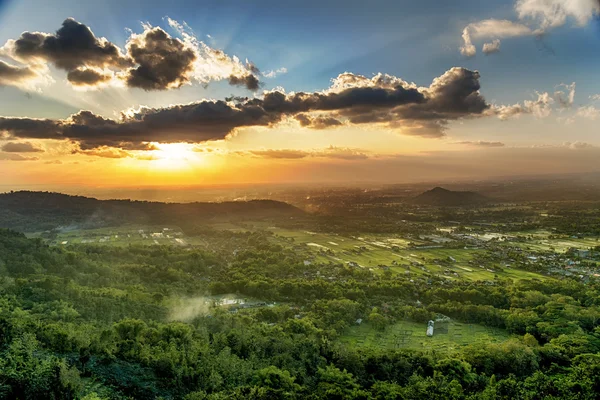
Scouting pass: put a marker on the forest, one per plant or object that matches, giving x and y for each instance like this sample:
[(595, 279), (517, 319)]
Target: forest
[(133, 322)]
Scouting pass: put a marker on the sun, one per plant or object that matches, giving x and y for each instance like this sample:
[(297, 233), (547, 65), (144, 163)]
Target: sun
[(174, 151), (174, 156)]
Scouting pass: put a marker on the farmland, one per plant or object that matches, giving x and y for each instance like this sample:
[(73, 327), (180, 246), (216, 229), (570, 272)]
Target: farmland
[(380, 253), (412, 335)]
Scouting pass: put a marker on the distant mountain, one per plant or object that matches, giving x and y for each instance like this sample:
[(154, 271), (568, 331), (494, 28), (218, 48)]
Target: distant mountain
[(447, 198), (28, 211)]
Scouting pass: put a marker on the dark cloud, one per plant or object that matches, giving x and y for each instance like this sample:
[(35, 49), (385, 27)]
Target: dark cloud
[(29, 128), (87, 77), (74, 45), (249, 81), (162, 62), (350, 100), (20, 147), (415, 111), (456, 93), (153, 60), (237, 99), (318, 122), (12, 75)]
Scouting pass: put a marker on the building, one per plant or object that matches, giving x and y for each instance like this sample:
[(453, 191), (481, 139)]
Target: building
[(430, 328)]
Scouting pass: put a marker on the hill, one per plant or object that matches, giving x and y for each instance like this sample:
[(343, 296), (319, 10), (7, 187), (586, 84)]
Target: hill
[(441, 197), (29, 211)]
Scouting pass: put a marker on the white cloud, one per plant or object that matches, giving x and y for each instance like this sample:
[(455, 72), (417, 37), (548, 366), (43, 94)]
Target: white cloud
[(539, 108), (565, 99), (490, 29), (589, 112), (553, 13), (535, 17), (275, 72), (492, 47), (578, 145), (467, 49)]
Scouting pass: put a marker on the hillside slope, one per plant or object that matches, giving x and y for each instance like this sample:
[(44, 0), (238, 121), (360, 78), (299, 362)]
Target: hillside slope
[(441, 197), (34, 211)]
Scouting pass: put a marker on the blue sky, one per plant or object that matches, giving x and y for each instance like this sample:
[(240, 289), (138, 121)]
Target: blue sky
[(315, 41)]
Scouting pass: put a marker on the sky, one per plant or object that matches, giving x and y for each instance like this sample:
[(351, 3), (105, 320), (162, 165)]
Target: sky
[(124, 93)]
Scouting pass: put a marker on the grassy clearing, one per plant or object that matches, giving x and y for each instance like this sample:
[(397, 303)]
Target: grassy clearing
[(412, 335), (373, 251), (121, 236)]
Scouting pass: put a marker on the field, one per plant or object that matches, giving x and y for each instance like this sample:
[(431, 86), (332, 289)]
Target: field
[(559, 245), (412, 335), (378, 253), (120, 236), (375, 252)]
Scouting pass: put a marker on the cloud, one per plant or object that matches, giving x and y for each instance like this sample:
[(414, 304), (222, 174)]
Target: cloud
[(31, 128), (20, 147), (10, 74), (342, 153), (213, 64), (491, 48), (535, 18), (544, 105), (578, 145), (16, 157), (23, 77), (490, 29), (589, 112), (565, 99), (540, 107), (595, 97), (352, 99), (152, 60), (51, 162), (104, 152), (480, 143), (162, 62), (317, 122), (88, 77), (249, 81), (280, 154), (467, 49), (74, 45), (275, 73), (554, 13)]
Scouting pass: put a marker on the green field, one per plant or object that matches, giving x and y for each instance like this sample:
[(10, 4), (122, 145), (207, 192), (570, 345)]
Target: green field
[(374, 251), (412, 335), (120, 236)]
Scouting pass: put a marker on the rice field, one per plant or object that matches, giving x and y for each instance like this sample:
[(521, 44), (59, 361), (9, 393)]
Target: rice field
[(374, 252), (412, 335)]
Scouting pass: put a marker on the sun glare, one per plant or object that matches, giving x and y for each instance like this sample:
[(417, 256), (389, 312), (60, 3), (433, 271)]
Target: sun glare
[(175, 151), (173, 156)]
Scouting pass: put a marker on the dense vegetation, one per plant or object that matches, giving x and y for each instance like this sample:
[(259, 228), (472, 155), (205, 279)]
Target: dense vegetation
[(28, 211), (103, 322)]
